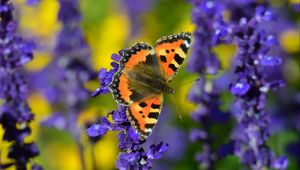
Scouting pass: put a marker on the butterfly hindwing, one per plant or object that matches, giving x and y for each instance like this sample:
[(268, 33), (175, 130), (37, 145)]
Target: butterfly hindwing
[(171, 51), (144, 114), (136, 56)]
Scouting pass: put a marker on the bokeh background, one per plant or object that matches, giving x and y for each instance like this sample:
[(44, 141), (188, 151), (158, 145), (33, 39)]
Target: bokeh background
[(107, 27)]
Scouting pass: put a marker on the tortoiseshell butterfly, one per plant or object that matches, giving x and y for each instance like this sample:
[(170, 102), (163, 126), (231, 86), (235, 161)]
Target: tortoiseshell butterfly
[(143, 77)]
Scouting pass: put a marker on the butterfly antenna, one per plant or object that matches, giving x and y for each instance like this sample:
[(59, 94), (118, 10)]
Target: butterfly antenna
[(188, 82), (176, 108)]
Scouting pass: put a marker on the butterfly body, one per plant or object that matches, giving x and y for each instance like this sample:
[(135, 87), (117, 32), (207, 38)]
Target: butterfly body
[(143, 77), (148, 80)]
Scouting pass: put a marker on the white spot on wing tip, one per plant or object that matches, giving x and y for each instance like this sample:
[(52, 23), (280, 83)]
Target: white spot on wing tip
[(187, 44), (148, 130)]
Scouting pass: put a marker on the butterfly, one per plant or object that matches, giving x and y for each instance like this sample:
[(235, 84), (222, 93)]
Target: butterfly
[(143, 78)]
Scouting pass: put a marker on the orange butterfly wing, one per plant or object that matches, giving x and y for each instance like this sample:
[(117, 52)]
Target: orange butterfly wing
[(171, 51), (144, 114), (120, 84)]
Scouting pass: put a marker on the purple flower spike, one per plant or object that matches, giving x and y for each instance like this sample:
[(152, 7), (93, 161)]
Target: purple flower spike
[(107, 76), (253, 122), (270, 61), (15, 113), (211, 30), (209, 26), (240, 88), (62, 81)]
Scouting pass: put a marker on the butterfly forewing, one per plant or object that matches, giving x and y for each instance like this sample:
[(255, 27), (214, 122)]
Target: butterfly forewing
[(171, 51), (121, 88)]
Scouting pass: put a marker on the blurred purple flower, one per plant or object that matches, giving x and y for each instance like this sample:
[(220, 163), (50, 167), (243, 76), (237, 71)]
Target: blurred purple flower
[(296, 6), (32, 2), (252, 129), (63, 79), (210, 30), (15, 113), (56, 120), (280, 163), (206, 95), (135, 10), (244, 8)]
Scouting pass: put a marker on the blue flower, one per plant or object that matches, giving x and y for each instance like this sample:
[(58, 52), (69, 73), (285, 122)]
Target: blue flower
[(280, 163), (240, 88), (99, 129), (106, 77), (270, 61)]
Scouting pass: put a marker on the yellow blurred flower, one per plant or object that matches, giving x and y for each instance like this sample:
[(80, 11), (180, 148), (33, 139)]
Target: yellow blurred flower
[(62, 157), (107, 39), (4, 148), (290, 41), (87, 115), (106, 151), (186, 25), (41, 60), (294, 1), (225, 52), (41, 108), (40, 20)]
